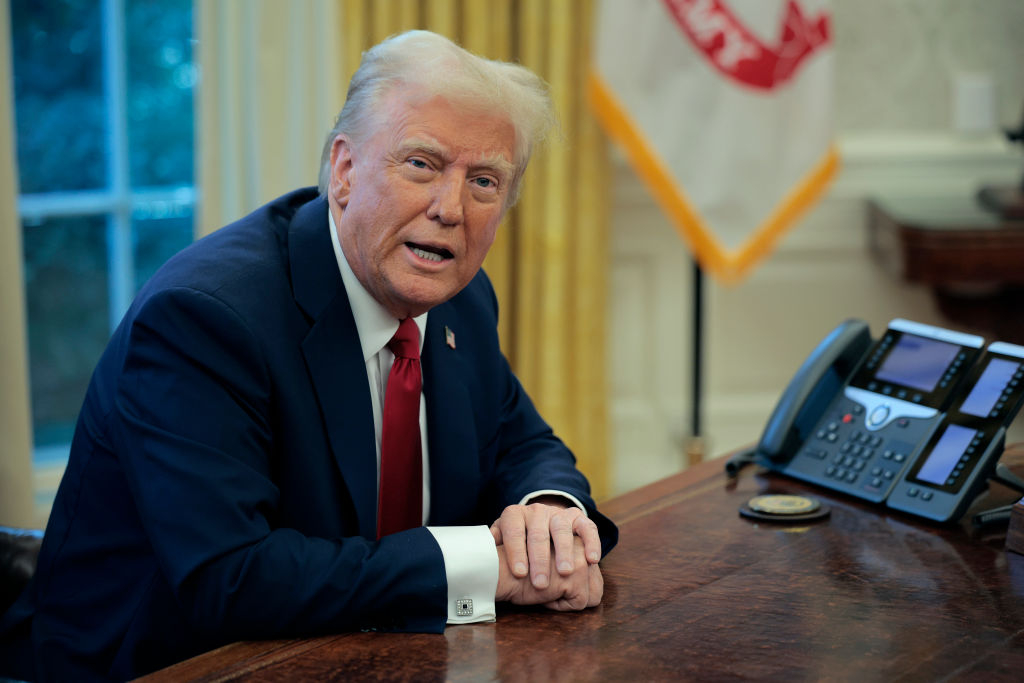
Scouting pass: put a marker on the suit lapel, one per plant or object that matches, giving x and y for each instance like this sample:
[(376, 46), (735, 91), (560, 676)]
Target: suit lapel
[(451, 432), (334, 359)]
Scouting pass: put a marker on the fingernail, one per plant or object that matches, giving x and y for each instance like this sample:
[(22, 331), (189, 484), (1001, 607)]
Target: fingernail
[(565, 567), (594, 556), (541, 580), (520, 569)]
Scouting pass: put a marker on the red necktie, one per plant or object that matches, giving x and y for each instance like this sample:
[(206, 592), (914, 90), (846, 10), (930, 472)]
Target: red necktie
[(400, 502)]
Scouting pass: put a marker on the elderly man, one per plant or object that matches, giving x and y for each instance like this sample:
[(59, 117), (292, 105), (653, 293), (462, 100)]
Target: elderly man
[(305, 424)]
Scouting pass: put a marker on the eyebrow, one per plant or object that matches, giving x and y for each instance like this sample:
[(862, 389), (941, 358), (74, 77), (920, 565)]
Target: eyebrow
[(496, 163)]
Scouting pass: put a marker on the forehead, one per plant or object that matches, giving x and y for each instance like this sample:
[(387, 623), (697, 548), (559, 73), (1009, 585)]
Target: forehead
[(456, 129)]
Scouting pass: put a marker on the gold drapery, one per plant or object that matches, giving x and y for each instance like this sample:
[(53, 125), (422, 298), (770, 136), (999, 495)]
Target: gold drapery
[(16, 499), (549, 261), (269, 90)]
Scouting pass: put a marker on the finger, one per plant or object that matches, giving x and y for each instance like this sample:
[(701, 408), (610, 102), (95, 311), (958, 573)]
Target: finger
[(495, 530), (538, 545), (587, 530), (576, 595), (512, 529), (596, 586), (561, 526)]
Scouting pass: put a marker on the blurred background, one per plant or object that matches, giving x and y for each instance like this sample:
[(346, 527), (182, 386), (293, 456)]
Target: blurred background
[(128, 128)]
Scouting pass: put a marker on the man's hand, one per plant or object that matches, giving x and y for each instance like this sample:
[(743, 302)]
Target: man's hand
[(582, 587), (528, 533)]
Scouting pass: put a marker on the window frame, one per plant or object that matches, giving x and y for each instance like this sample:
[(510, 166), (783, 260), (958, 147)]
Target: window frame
[(119, 202)]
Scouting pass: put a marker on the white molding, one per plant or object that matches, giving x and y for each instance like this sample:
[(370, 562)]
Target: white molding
[(889, 163), (938, 146), (923, 164)]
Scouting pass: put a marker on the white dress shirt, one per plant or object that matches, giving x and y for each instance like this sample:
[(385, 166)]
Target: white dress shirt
[(470, 558)]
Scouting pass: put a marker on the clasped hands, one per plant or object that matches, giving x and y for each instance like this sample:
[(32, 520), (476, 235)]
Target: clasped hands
[(547, 555)]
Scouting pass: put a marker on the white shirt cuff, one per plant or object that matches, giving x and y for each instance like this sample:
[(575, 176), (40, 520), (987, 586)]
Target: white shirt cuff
[(551, 492), (471, 565)]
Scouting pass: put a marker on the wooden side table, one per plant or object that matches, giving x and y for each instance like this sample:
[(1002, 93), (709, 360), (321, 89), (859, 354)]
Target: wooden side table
[(971, 258)]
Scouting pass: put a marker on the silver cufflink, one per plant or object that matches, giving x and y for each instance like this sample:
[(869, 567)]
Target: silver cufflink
[(464, 607)]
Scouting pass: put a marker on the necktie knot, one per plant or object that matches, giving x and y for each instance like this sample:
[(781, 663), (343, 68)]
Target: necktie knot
[(406, 342)]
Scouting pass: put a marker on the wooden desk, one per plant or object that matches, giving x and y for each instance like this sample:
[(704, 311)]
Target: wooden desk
[(970, 257), (694, 591)]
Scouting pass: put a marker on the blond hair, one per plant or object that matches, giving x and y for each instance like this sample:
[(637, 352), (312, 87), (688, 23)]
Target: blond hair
[(437, 66)]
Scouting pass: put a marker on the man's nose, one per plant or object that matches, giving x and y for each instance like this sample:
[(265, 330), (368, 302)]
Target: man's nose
[(447, 201)]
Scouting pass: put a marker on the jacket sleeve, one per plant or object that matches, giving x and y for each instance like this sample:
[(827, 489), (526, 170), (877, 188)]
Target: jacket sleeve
[(530, 456), (194, 427)]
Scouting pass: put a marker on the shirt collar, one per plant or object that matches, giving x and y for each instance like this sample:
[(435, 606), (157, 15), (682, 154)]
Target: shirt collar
[(374, 324)]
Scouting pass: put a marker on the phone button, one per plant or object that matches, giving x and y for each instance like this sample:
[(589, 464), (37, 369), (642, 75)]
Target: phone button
[(878, 415)]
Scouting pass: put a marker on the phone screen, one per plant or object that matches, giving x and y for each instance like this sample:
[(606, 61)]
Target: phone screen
[(947, 452), (989, 387), (917, 362)]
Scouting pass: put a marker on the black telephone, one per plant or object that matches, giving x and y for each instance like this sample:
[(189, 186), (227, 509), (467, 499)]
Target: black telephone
[(916, 420)]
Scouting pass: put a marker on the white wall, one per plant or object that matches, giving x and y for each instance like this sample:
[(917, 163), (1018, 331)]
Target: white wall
[(897, 63)]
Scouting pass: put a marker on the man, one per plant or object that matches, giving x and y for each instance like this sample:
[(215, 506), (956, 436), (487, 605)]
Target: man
[(232, 473)]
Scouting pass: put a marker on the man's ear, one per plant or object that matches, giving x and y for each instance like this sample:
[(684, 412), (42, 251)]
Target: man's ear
[(341, 169)]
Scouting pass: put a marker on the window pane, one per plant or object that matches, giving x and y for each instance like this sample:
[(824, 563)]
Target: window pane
[(58, 90), (66, 291), (159, 232), (161, 75)]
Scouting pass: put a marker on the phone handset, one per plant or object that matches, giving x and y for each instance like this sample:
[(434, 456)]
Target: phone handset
[(811, 390)]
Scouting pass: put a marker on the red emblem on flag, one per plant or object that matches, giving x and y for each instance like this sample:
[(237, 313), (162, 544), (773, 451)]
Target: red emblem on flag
[(738, 53)]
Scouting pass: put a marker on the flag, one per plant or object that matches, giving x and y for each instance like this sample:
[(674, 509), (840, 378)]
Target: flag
[(724, 109)]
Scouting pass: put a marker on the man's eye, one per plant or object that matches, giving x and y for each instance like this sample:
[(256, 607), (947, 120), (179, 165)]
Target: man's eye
[(418, 163), (484, 182)]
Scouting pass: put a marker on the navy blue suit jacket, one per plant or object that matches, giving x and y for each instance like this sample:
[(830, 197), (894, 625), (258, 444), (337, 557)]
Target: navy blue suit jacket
[(221, 484)]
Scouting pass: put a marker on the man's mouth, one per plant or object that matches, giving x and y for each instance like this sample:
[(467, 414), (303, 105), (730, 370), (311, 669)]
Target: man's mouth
[(429, 253)]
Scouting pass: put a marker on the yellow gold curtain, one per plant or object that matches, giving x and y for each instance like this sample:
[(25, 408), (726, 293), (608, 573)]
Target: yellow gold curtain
[(270, 89), (549, 262), (16, 500)]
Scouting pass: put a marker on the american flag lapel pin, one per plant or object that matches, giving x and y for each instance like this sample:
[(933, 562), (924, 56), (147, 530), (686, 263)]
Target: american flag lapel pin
[(449, 337)]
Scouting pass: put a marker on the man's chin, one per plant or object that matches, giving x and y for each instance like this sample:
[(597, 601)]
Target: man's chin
[(417, 301)]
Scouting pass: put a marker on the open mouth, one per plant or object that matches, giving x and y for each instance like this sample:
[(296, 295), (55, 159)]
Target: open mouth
[(429, 253)]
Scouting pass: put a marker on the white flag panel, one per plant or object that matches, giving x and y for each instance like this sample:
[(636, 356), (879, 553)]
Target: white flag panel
[(725, 109)]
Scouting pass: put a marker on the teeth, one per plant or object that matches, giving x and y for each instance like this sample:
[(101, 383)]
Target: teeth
[(429, 255)]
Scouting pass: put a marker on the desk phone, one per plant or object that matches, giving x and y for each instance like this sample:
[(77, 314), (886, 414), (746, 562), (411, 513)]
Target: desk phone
[(915, 420)]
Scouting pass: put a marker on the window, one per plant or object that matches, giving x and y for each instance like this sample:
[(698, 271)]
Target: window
[(103, 97)]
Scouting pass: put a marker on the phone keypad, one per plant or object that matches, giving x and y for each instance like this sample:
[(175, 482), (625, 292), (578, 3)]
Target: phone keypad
[(844, 454), (855, 453)]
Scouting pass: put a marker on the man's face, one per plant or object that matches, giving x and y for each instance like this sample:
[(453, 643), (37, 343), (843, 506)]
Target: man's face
[(418, 202)]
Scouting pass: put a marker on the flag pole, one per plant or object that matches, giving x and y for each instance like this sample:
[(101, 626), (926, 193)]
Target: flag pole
[(695, 448)]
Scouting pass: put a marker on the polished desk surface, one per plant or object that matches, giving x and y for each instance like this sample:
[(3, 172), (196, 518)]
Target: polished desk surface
[(694, 591)]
